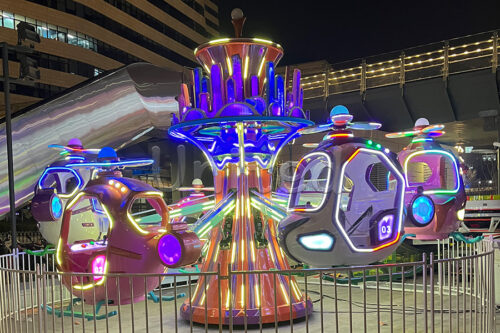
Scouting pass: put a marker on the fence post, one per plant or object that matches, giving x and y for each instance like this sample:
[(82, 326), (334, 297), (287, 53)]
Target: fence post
[(362, 83), (402, 73), (424, 288), (494, 60), (446, 51)]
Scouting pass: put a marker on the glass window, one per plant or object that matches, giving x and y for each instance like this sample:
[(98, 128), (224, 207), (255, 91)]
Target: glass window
[(310, 182), (61, 36), (42, 32), (52, 33), (8, 20), (368, 199), (432, 170), (148, 210), (88, 225), (72, 39)]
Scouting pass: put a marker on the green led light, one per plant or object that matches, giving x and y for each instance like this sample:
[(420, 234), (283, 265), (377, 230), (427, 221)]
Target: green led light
[(378, 146), (369, 142)]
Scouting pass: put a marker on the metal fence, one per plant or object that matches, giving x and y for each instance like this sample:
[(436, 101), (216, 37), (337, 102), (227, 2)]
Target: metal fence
[(452, 291), (440, 59)]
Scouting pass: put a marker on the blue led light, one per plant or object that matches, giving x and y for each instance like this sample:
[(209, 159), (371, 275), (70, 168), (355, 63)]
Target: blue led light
[(317, 242), (422, 210), (56, 206)]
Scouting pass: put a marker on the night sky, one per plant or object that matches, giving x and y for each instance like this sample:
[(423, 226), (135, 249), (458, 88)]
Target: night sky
[(339, 31)]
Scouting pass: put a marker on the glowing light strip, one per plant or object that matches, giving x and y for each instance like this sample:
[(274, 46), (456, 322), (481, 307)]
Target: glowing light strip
[(221, 40), (110, 164), (58, 254), (108, 215), (339, 195), (136, 226), (338, 135), (241, 143), (233, 253), (78, 187), (211, 149), (242, 294), (229, 66), (257, 295), (422, 140), (160, 194), (439, 152), (327, 187), (252, 250), (245, 71), (284, 293), (261, 66), (296, 289)]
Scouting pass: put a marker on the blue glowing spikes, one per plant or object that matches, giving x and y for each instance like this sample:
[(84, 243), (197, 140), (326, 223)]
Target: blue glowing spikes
[(422, 210), (107, 153)]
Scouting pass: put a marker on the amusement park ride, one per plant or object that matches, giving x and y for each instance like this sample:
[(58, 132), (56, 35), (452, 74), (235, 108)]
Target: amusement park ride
[(346, 206), (57, 185), (434, 187), (346, 203)]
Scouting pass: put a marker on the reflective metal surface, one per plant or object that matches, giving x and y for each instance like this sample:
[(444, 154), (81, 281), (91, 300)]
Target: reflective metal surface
[(110, 111)]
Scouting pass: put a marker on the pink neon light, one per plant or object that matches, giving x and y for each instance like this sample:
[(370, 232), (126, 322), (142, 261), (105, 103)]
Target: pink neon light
[(98, 266)]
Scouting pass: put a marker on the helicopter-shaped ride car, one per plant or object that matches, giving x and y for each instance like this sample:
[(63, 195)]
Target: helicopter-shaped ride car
[(346, 201), (435, 191), (57, 185), (125, 244)]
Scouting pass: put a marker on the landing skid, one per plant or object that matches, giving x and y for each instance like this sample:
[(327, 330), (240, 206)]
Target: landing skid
[(68, 312), (152, 296)]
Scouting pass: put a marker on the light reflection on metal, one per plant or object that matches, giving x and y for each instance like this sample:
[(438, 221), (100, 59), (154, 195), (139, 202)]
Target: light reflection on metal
[(143, 97)]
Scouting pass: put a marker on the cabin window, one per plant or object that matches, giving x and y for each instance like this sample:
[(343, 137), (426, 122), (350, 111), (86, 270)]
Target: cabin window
[(148, 210), (88, 223), (311, 182), (433, 170), (65, 181)]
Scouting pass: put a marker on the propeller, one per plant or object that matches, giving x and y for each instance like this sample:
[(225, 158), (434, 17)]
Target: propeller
[(341, 119), (421, 128), (108, 159), (74, 146)]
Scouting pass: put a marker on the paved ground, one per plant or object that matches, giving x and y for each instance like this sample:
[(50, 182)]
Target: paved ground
[(344, 313)]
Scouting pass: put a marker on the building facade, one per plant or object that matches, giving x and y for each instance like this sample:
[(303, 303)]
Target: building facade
[(83, 38)]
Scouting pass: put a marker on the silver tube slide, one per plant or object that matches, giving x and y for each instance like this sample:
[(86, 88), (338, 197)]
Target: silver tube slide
[(110, 111)]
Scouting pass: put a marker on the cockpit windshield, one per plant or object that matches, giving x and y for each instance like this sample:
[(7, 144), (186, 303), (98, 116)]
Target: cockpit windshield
[(65, 181), (89, 222), (148, 210), (311, 182), (433, 170)]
